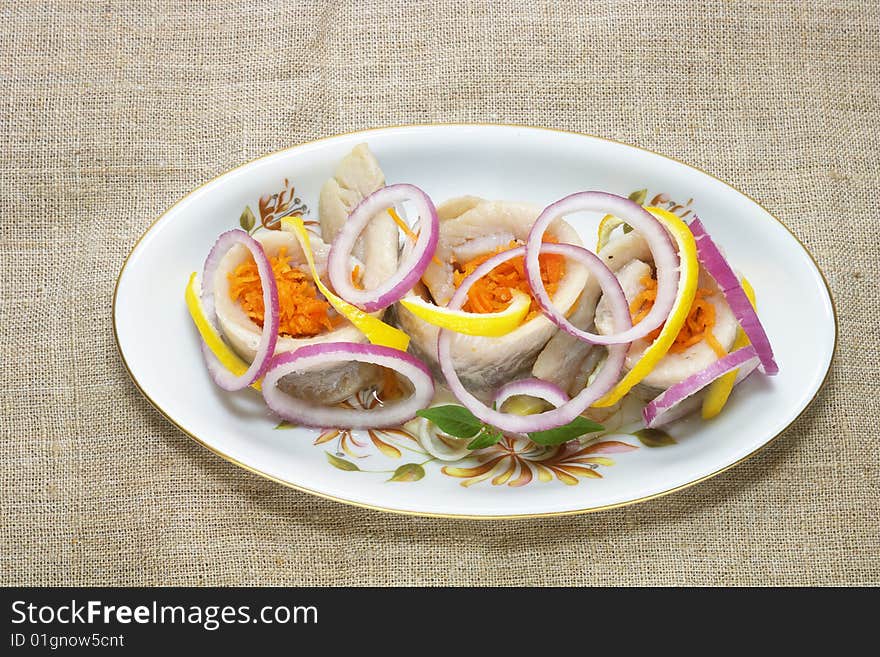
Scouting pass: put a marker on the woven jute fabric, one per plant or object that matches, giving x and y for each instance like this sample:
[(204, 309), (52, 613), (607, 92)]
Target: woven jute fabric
[(111, 111)]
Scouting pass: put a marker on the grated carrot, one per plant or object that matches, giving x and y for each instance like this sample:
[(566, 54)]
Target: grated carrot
[(302, 312), (492, 292), (408, 232), (356, 277), (389, 387), (697, 327)]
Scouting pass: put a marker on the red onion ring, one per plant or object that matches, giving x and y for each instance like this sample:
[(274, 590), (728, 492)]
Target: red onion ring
[(266, 347), (718, 267), (549, 392), (319, 355), (565, 413), (415, 261), (660, 410), (666, 262)]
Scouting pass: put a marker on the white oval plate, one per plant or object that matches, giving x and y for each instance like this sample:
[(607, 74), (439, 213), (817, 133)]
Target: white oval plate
[(160, 346)]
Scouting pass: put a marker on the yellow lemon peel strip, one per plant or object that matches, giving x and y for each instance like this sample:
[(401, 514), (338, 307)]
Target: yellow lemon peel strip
[(606, 227), (490, 325), (525, 405), (375, 330), (213, 340), (719, 390), (610, 222), (687, 287)]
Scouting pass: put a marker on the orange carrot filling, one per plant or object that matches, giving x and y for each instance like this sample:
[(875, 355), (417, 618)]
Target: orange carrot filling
[(697, 327), (492, 293), (356, 277), (408, 232), (389, 387), (402, 225), (302, 312)]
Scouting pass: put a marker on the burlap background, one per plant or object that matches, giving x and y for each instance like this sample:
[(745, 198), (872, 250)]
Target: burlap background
[(110, 111)]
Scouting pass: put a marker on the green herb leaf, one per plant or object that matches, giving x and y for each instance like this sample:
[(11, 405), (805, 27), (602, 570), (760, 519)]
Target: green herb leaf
[(247, 220), (574, 429), (408, 472), (284, 424), (453, 420), (342, 464), (486, 438), (639, 196), (654, 438)]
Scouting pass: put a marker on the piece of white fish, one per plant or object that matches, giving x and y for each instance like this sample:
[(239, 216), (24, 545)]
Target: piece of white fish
[(357, 175), (243, 334), (562, 361), (673, 367), (485, 363)]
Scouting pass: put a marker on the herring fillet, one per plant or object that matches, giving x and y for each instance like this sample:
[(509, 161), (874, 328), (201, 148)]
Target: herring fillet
[(357, 176), (560, 361), (473, 227), (673, 367), (243, 335)]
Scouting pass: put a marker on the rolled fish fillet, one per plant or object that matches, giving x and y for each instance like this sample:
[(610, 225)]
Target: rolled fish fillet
[(567, 360), (357, 175), (469, 228), (674, 367)]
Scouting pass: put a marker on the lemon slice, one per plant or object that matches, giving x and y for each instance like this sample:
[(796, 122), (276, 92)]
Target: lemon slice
[(489, 325), (525, 405), (610, 222), (719, 390), (213, 340), (689, 271), (375, 330), (606, 227)]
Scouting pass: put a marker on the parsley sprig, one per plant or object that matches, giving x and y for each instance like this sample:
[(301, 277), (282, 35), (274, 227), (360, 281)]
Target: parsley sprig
[(459, 422)]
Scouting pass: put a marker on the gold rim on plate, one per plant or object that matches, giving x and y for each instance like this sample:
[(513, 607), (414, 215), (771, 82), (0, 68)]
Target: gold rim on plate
[(465, 516)]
